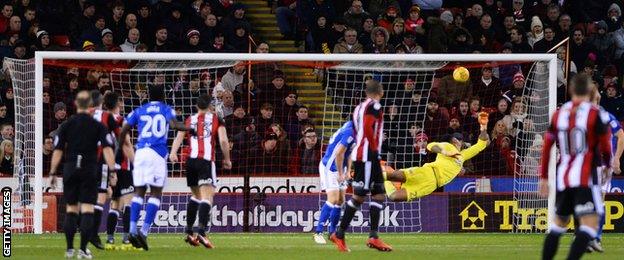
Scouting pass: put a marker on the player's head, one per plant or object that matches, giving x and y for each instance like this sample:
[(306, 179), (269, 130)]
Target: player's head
[(111, 101), (156, 93), (96, 98), (580, 86), (203, 102), (456, 139), (83, 101), (374, 89)]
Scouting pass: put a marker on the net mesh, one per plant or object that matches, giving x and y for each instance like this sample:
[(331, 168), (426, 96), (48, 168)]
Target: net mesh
[(421, 104)]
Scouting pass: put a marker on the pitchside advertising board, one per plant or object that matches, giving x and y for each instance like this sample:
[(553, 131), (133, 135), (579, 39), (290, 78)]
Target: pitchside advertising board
[(291, 204)]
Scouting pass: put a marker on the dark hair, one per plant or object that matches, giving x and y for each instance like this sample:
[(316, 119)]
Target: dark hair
[(374, 87), (110, 100), (302, 106), (156, 93), (102, 77), (202, 102), (96, 97), (580, 85)]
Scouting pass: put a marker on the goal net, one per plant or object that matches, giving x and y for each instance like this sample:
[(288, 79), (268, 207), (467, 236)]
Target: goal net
[(278, 132)]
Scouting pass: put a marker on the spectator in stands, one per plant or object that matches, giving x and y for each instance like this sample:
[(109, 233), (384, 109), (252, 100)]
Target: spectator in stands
[(379, 8), (473, 18), (309, 153), (321, 36), (19, 50), (265, 119), (108, 41), (15, 26), (475, 105), (93, 33), (286, 18), (268, 156), (537, 33), (364, 37), (233, 79), (552, 16), (519, 45), (355, 16), (209, 29), (8, 160), (239, 39), (391, 125), (614, 18), (294, 127), (579, 48), (262, 73), (103, 84), (236, 18), (275, 92), (146, 23), (288, 108), (468, 121), (603, 43), (397, 32), (437, 38), (7, 12), (81, 22), (519, 14), (547, 43), (502, 109), (236, 122), (192, 42), (503, 145), (380, 38), (565, 24), (176, 24), (226, 107), (162, 43), (590, 69), (245, 142), (503, 33), (485, 26), (613, 102), (488, 87), (116, 22), (132, 41), (414, 23), (409, 44), (516, 90), (4, 119), (349, 43), (514, 122), (42, 42), (450, 92), (7, 131), (454, 126), (282, 136), (48, 148), (60, 115), (435, 122), (460, 41)]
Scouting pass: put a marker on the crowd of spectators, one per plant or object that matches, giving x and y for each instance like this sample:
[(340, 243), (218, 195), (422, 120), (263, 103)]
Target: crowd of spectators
[(270, 131)]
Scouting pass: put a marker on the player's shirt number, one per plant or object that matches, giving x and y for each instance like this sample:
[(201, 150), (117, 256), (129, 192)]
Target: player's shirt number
[(154, 126)]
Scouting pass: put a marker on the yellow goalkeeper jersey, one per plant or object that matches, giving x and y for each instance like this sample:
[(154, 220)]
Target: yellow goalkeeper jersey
[(446, 168)]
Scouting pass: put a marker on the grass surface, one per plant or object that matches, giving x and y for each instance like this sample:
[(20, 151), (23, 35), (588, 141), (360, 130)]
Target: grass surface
[(301, 246)]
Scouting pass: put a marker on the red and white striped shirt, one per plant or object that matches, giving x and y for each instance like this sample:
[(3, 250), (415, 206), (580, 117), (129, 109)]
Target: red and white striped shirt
[(581, 131), (108, 120), (120, 158), (368, 123), (204, 143)]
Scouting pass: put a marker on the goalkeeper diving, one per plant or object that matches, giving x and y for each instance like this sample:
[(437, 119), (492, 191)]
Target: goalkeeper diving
[(418, 182)]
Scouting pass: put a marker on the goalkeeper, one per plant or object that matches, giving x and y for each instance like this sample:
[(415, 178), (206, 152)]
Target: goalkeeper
[(421, 181)]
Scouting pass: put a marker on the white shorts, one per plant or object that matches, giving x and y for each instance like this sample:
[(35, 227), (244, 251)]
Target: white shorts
[(149, 168), (329, 179), (604, 179)]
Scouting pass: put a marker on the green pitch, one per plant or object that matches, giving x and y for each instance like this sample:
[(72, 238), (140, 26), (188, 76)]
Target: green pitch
[(301, 246)]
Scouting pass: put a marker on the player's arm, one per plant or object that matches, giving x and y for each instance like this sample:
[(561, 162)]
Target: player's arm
[(439, 148), (225, 147), (177, 142), (619, 149), (549, 141), (57, 155), (127, 149), (124, 132), (107, 140), (340, 157), (483, 141)]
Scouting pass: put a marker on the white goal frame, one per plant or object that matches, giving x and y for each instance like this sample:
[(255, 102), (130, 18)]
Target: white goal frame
[(41, 56)]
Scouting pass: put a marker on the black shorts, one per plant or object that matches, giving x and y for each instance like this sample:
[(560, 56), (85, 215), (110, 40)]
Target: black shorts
[(80, 185), (102, 178), (124, 184), (579, 201), (368, 178), (200, 172)]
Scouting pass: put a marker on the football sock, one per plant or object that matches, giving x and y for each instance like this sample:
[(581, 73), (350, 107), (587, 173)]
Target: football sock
[(153, 204), (602, 222), (551, 243), (86, 226), (350, 209), (334, 218), (374, 215), (191, 210), (71, 222), (325, 212), (583, 235), (204, 216), (111, 222), (126, 222), (135, 210), (97, 219)]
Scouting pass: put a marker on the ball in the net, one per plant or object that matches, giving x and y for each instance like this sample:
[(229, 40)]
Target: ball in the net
[(461, 74)]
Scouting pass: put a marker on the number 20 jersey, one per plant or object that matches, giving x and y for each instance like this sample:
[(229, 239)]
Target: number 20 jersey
[(152, 121), (581, 131)]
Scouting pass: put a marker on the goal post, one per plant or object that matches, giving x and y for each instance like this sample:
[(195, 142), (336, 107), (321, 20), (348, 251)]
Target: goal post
[(349, 62)]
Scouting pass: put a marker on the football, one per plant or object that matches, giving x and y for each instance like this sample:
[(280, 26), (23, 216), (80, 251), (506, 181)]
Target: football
[(461, 74)]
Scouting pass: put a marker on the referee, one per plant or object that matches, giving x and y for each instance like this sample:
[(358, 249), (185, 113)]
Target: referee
[(77, 141)]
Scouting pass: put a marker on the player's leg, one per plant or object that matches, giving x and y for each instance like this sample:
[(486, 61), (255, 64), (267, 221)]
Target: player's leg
[(564, 209), (588, 208), (98, 208), (139, 178), (87, 199), (334, 216), (393, 193), (605, 181), (359, 194), (124, 206), (111, 220), (207, 180), (70, 192), (193, 202), (376, 206), (329, 185)]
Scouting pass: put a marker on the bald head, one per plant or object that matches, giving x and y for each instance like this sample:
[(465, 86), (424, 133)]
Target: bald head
[(374, 89), (83, 101)]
